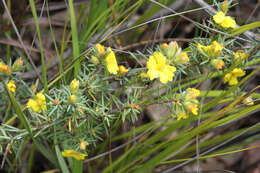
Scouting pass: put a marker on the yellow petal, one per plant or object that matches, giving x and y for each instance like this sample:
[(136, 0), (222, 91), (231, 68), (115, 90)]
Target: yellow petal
[(219, 17), (111, 62), (233, 81), (237, 72)]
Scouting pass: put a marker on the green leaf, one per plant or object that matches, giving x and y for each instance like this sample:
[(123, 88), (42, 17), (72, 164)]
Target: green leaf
[(245, 28)]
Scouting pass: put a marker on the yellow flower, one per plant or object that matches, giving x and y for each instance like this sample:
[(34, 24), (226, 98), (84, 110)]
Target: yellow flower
[(192, 93), (100, 49), (217, 63), (4, 68), (74, 154), (239, 55), (224, 21), (33, 105), (41, 100), (122, 70), (192, 106), (182, 115), (94, 60), (182, 58), (72, 99), (157, 67), (111, 62), (231, 77), (11, 86), (216, 48), (228, 22), (164, 46), (213, 50), (74, 86), (219, 17), (38, 104)]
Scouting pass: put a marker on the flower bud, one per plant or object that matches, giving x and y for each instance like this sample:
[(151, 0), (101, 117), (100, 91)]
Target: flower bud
[(72, 99), (164, 45), (56, 102), (5, 69), (94, 60), (172, 48), (224, 6), (217, 63), (74, 86), (122, 70), (100, 49), (182, 58), (17, 65), (11, 86)]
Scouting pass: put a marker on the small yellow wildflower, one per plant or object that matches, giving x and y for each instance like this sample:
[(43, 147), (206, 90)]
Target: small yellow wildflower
[(192, 93), (182, 58), (41, 100), (33, 105), (224, 21), (111, 62), (122, 70), (182, 115), (164, 46), (74, 86), (73, 99), (83, 144), (239, 55), (94, 60), (213, 50), (38, 104), (228, 22), (192, 106), (217, 63), (4, 68), (219, 17), (231, 77), (100, 49), (72, 153), (157, 67), (11, 86)]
